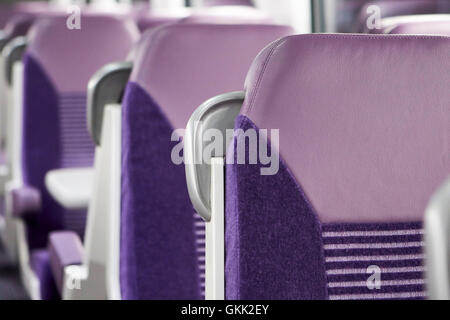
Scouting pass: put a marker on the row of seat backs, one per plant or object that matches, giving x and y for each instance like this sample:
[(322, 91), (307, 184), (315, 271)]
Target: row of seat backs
[(151, 112), (54, 133)]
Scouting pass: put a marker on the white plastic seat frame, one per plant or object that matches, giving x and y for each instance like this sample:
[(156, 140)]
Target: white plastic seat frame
[(10, 172), (437, 244), (206, 181), (14, 229)]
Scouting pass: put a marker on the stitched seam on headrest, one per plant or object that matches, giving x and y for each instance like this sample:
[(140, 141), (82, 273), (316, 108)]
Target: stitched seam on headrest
[(280, 42), (255, 88)]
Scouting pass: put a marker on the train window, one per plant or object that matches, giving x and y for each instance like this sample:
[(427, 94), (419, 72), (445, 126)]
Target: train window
[(360, 15)]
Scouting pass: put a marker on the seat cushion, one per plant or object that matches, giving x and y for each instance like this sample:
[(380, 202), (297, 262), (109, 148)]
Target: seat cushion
[(40, 264)]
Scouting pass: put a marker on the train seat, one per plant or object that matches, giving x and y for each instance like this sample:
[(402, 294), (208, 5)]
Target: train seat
[(336, 221), (57, 65)]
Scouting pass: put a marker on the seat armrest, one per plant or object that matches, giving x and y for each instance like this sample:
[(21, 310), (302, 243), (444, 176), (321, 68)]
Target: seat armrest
[(25, 201), (71, 188), (218, 113), (65, 249)]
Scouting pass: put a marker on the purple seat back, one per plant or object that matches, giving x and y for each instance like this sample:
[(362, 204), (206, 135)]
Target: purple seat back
[(357, 167), (58, 64), (177, 67)]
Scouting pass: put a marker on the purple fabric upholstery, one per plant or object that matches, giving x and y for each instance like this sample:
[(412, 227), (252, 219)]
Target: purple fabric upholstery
[(40, 148), (177, 67), (40, 264), (431, 28), (64, 249), (25, 200), (268, 222), (362, 163), (397, 249), (157, 240), (390, 8)]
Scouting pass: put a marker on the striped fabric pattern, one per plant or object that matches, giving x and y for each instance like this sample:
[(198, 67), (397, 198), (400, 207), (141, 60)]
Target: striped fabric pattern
[(199, 229), (374, 261), (76, 145), (77, 148)]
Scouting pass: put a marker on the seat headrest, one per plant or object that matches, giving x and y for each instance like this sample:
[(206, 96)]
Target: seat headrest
[(59, 50), (363, 119), (182, 65)]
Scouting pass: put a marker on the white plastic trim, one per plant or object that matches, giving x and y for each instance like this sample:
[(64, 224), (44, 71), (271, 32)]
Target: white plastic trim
[(71, 188), (98, 277), (437, 239), (215, 234), (16, 130), (9, 228), (111, 141), (29, 278)]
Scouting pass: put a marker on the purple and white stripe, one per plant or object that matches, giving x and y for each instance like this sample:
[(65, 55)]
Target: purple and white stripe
[(396, 249), (199, 230), (77, 147)]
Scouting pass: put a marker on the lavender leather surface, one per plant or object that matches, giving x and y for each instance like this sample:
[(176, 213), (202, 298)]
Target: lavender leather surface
[(109, 33), (64, 249), (356, 164), (25, 200), (168, 73)]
